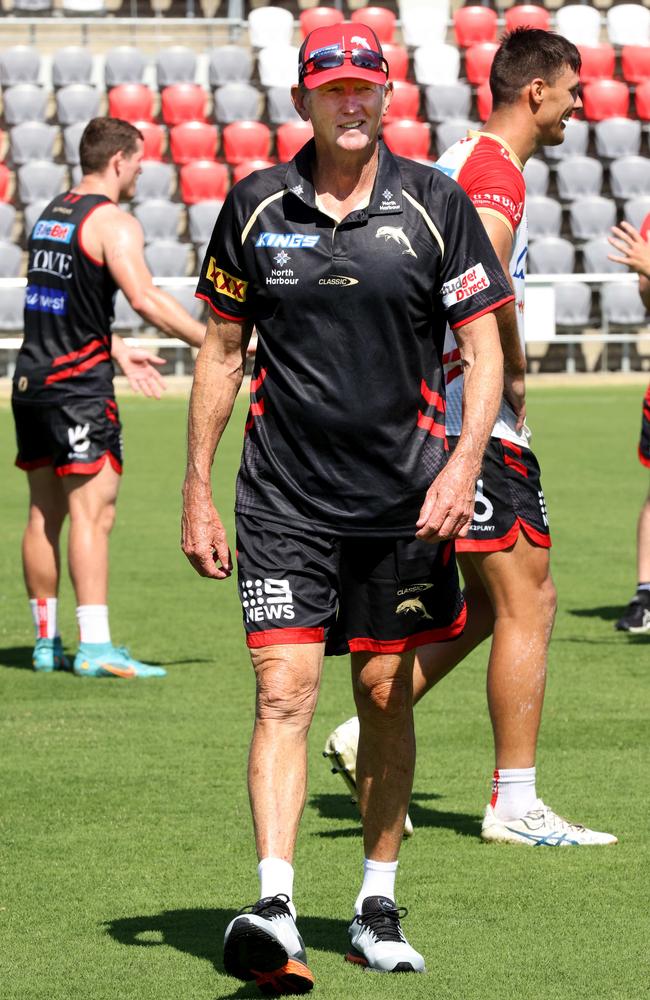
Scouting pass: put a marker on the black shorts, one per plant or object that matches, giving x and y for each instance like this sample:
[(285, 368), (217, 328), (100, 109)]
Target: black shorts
[(75, 436), (379, 594), (644, 443), (509, 498)]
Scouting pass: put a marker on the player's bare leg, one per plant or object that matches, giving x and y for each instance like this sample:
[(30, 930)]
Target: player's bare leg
[(643, 541), (636, 617), (42, 565), (91, 502)]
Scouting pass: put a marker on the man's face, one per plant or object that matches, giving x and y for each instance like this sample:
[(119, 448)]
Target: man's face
[(130, 168), (561, 99), (345, 114)]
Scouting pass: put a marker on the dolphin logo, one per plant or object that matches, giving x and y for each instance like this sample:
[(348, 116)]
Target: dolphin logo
[(397, 234), (413, 606)]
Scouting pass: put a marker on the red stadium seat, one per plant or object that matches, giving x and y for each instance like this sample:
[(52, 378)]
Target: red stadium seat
[(642, 100), (290, 137), (408, 138), (597, 62), (405, 102), (183, 102), (398, 61), (193, 141), (5, 177), (484, 101), (475, 24), (246, 167), (203, 180), (246, 141), (131, 101), (380, 19), (319, 17), (605, 99), (527, 15), (154, 139), (478, 59), (635, 62)]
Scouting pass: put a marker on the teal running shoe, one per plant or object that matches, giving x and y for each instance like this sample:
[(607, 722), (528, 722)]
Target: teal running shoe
[(105, 660), (48, 656)]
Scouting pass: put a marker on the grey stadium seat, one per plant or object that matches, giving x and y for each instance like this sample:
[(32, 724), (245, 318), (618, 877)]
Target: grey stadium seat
[(125, 318), (589, 217), (32, 6), (155, 181), (230, 64), (124, 64), (536, 175), (32, 141), (617, 137), (573, 304), (71, 139), (159, 218), (544, 216), (636, 209), (40, 180), (72, 64), (579, 176), (168, 258), (25, 103), (7, 220), (450, 131), (576, 140), (11, 258), (12, 304), (32, 212), (237, 102), (202, 217), (630, 176), (188, 300), (76, 103), (19, 64), (622, 305), (447, 100), (201, 254), (175, 64), (279, 106), (551, 255), (595, 257)]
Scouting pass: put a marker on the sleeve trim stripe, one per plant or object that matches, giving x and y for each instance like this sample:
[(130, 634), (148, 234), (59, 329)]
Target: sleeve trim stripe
[(482, 312), (260, 208), (497, 215), (232, 319), (429, 221)]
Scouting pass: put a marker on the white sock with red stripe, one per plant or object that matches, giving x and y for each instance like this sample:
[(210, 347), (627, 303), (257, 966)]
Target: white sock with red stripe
[(513, 792), (378, 880), (276, 877), (93, 623), (44, 616)]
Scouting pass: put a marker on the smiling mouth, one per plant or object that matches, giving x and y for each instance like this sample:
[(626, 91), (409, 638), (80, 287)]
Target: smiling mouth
[(350, 125)]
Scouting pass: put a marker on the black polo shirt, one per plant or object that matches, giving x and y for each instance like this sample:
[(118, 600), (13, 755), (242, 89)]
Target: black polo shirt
[(346, 427)]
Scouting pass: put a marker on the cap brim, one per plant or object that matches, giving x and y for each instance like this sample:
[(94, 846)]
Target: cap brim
[(345, 72)]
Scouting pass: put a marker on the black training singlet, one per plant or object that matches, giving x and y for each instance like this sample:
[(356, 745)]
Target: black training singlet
[(66, 351)]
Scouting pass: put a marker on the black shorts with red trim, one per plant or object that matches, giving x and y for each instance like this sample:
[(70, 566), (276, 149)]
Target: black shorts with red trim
[(377, 594), (509, 499), (76, 436), (644, 442)]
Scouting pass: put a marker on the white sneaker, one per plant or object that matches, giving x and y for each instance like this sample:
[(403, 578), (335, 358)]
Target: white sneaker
[(541, 827), (263, 943), (341, 748), (377, 940)]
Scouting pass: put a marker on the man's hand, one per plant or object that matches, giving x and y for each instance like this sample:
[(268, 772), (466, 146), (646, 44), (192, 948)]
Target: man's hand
[(514, 391), (633, 249), (139, 367), (448, 507), (203, 536)]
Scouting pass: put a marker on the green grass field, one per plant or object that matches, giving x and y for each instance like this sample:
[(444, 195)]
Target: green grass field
[(125, 837)]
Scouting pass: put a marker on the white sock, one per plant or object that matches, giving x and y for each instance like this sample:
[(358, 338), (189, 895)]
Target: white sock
[(93, 623), (276, 876), (378, 880), (44, 616), (513, 792)]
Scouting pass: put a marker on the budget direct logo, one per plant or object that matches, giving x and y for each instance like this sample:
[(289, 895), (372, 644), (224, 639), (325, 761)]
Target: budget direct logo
[(226, 284), (46, 300), (470, 282), (50, 229)]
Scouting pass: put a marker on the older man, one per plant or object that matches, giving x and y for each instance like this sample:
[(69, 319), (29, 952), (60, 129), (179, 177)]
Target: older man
[(349, 262)]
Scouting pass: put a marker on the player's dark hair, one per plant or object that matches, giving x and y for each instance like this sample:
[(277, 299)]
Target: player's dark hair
[(526, 54), (103, 138)]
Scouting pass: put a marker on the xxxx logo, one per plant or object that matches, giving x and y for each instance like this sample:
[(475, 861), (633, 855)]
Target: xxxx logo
[(225, 284)]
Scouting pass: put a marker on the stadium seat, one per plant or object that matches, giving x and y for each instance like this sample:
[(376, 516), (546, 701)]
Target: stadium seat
[(527, 15), (629, 176), (636, 209), (76, 103), (405, 102), (175, 64), (183, 102), (230, 64), (573, 304), (203, 180), (24, 102), (398, 61), (617, 137), (5, 182), (159, 218), (551, 255), (605, 99), (277, 65), (247, 167), (578, 177), (484, 101), (167, 258), (318, 17), (598, 62), (576, 141), (635, 63), (123, 64), (188, 300), (380, 19), (279, 106), (621, 305), (32, 141), (473, 25), (450, 131), (536, 175), (72, 64), (155, 181), (12, 304), (595, 257), (7, 220), (246, 141), (544, 216), (593, 216), (423, 25), (408, 138), (628, 24), (290, 137), (641, 100), (436, 63), (40, 179), (193, 141), (270, 26), (131, 101), (236, 101), (447, 100), (32, 212), (202, 217), (19, 64), (71, 139), (32, 6), (478, 60), (154, 139), (125, 318), (83, 6), (579, 23)]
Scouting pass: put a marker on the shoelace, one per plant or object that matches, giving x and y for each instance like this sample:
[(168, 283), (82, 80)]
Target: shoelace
[(384, 923), (553, 819), (269, 906)]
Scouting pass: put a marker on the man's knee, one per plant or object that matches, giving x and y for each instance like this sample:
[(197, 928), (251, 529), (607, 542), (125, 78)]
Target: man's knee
[(382, 693), (284, 690)]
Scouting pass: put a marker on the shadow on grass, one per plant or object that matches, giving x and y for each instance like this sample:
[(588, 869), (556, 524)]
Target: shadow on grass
[(607, 612), (331, 806), (20, 658), (199, 932)]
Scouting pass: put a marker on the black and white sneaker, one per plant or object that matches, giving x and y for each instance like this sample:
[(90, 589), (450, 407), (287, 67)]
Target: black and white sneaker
[(377, 940), (263, 943), (636, 617)]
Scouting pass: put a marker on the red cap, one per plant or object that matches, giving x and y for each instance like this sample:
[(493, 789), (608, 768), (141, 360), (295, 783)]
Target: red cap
[(351, 38)]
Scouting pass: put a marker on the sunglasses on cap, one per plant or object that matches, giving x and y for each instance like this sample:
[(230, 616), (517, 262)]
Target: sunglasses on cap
[(334, 57)]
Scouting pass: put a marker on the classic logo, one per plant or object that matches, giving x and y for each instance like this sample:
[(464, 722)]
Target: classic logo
[(46, 300), (470, 282), (483, 509), (287, 241), (415, 588), (54, 262), (50, 229), (338, 279), (397, 234), (412, 606), (264, 600), (78, 438), (225, 284)]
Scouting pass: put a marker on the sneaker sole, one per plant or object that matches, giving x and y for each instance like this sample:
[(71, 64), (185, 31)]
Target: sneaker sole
[(498, 838), (356, 958), (249, 953)]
